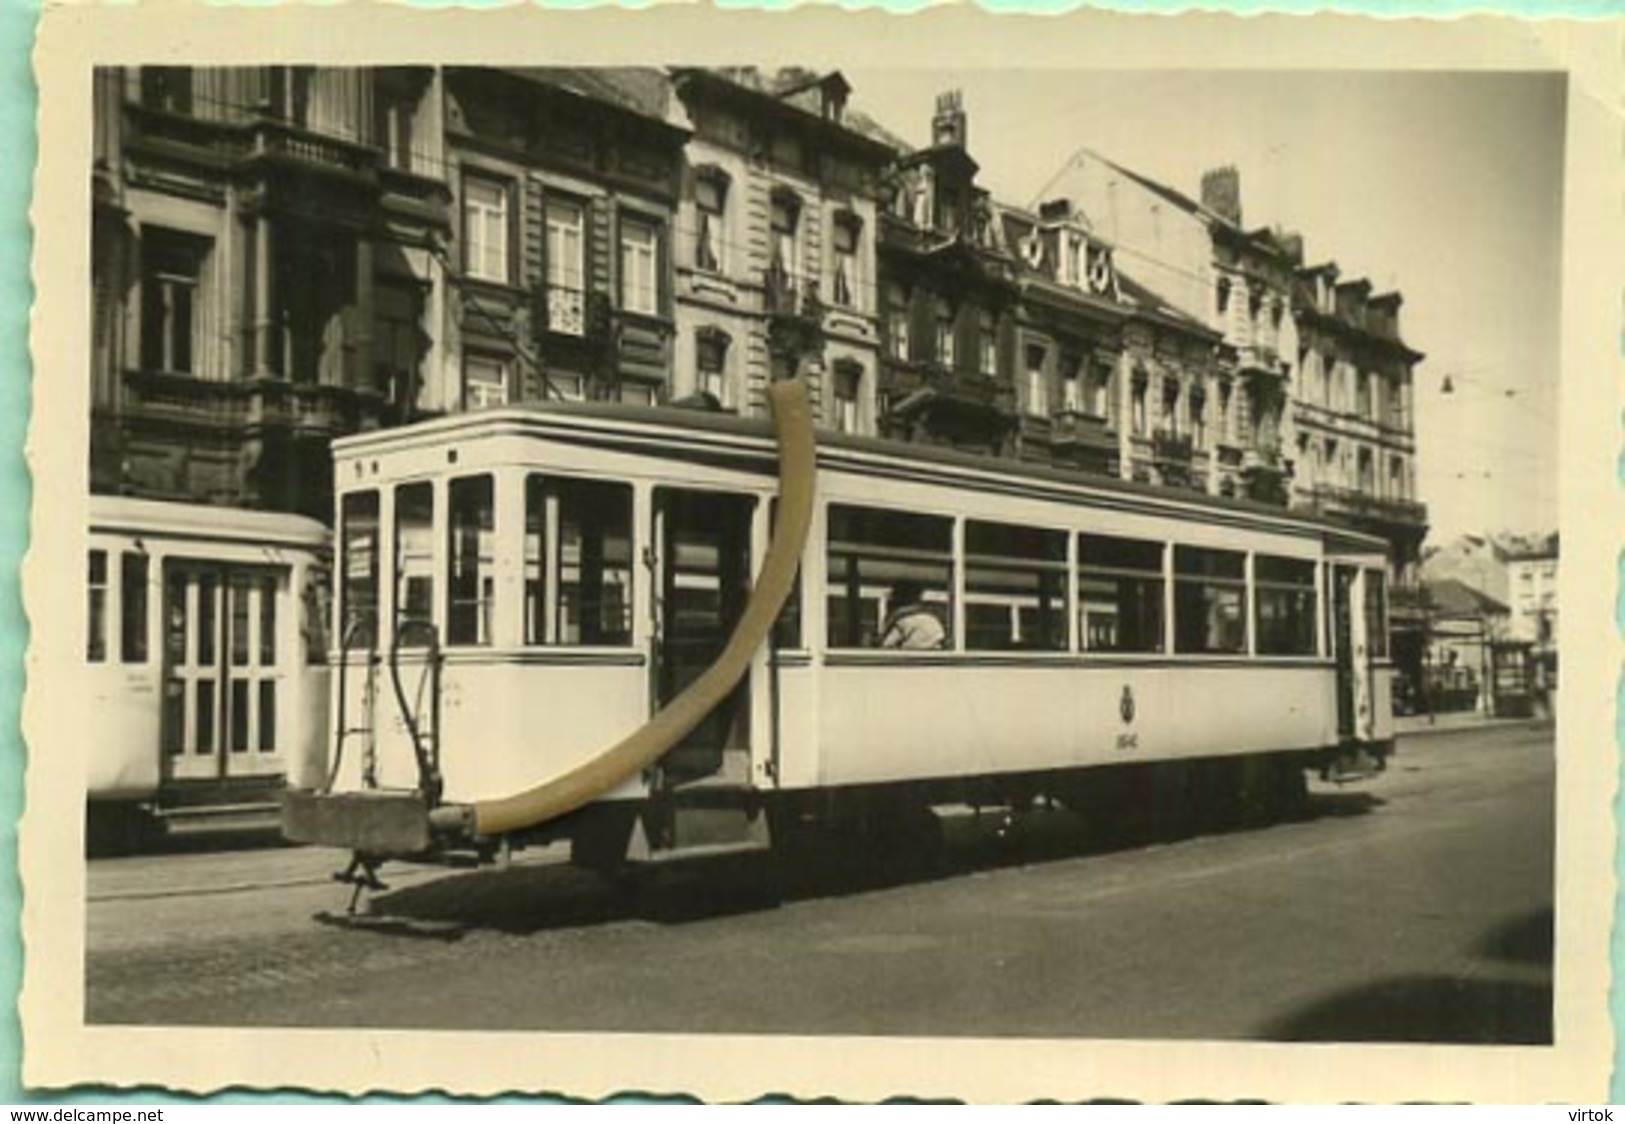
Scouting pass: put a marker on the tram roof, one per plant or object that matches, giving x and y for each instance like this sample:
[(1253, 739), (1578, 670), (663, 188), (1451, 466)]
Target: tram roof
[(177, 520), (759, 431)]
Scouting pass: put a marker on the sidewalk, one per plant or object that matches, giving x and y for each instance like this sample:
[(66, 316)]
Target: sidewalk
[(1415, 725)]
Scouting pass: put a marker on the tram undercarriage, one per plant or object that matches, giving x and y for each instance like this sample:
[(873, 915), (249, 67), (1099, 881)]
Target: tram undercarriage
[(623, 840)]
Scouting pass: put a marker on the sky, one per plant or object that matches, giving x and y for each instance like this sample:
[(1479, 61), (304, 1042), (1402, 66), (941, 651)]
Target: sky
[(1446, 186)]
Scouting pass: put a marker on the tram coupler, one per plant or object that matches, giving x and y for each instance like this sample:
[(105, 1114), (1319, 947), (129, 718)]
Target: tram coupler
[(361, 874)]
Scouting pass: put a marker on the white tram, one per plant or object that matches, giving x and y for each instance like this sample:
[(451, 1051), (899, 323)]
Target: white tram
[(520, 588), (204, 651)]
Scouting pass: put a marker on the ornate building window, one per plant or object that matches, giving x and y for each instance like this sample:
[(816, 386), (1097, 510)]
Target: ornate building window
[(897, 321), (710, 218), (1036, 398), (987, 343), (485, 229), (566, 267), (847, 385), (640, 266), (485, 382), (171, 276), (711, 365), (847, 239), (1170, 421), (784, 262), (1071, 386), (945, 334)]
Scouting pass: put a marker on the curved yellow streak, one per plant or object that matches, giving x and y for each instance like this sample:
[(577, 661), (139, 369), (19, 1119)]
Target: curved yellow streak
[(792, 423)]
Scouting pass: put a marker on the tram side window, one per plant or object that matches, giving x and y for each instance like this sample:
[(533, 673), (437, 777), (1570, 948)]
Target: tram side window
[(472, 550), (1210, 600), (877, 557), (1015, 588), (1285, 606), (133, 607), (358, 569), (1120, 594), (578, 562), (1376, 614), (414, 561), (96, 619)]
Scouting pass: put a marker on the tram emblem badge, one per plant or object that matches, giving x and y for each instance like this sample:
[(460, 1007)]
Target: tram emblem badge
[(1125, 705)]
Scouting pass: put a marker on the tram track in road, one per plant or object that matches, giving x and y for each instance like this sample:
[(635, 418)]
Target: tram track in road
[(1006, 911)]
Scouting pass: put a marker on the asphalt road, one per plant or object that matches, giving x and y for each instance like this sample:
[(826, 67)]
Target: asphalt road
[(1417, 907)]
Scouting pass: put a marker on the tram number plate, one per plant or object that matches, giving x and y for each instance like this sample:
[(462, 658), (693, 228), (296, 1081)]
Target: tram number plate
[(1128, 741)]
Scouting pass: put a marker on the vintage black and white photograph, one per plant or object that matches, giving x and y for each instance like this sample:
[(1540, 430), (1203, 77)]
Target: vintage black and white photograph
[(812, 548)]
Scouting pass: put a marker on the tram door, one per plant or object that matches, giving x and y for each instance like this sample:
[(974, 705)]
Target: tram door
[(221, 674), (702, 583), (1343, 646)]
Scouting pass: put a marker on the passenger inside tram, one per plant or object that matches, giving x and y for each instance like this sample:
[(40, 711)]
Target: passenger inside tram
[(911, 624)]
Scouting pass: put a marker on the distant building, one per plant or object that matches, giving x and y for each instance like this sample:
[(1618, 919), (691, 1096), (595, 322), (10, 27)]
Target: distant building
[(1355, 438), (1532, 590), (1459, 664), (1111, 378), (1204, 264), (1519, 571)]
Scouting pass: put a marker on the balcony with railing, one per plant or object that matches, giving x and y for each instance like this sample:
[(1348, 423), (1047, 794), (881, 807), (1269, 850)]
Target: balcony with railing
[(240, 405), (1072, 426), (1172, 449), (1336, 500), (794, 310)]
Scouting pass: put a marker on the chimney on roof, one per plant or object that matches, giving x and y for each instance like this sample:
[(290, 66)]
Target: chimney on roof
[(1055, 210), (949, 127), (1221, 193), (1291, 243)]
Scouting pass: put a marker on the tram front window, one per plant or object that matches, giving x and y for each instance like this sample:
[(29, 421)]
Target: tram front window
[(414, 561), (471, 548), (874, 555), (578, 562), (1015, 588), (358, 569)]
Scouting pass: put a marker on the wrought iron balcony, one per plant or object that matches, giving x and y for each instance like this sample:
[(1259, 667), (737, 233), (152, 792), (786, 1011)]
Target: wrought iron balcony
[(1350, 502), (1073, 426), (316, 409), (1168, 447), (290, 145)]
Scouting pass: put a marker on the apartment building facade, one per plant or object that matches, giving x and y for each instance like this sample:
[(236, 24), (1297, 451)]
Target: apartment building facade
[(775, 253)]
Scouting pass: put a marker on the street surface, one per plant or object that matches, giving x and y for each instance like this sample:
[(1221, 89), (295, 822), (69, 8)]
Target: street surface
[(1415, 907)]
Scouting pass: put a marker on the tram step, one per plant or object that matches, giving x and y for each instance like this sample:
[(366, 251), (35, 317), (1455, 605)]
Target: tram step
[(700, 851), (216, 811), (686, 830), (212, 818)]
